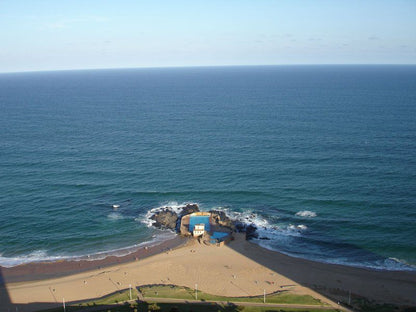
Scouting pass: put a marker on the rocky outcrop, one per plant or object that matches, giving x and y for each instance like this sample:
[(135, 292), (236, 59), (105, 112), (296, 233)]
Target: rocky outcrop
[(249, 229), (189, 208), (165, 219), (220, 218)]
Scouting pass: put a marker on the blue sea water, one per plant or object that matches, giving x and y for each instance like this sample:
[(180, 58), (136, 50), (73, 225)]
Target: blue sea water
[(321, 158)]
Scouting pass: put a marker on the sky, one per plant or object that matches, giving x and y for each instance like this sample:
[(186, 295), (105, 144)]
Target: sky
[(84, 34)]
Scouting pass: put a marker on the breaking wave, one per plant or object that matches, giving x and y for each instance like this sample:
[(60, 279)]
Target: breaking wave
[(306, 214), (282, 234), (43, 256), (35, 256), (115, 216)]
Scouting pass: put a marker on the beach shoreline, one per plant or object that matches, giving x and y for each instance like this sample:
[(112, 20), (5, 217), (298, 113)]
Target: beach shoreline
[(182, 261), (34, 271)]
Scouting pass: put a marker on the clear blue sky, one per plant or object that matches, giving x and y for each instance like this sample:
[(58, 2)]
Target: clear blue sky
[(78, 34)]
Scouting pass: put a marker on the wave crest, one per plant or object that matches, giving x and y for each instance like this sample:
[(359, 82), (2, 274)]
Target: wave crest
[(306, 214), (115, 216)]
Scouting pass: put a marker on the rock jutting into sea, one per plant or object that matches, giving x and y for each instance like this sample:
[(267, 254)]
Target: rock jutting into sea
[(165, 219), (168, 218), (221, 218), (188, 209)]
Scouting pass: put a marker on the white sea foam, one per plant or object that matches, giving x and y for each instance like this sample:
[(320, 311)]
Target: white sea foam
[(35, 256), (120, 252), (398, 264), (266, 230), (115, 216), (306, 214), (246, 217), (388, 264), (293, 227), (174, 206), (42, 255), (272, 233)]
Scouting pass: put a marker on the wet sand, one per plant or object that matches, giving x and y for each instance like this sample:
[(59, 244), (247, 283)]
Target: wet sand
[(238, 269), (46, 270)]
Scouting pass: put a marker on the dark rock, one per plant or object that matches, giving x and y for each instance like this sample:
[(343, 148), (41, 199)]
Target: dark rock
[(165, 219), (188, 209), (251, 231), (221, 219), (239, 226)]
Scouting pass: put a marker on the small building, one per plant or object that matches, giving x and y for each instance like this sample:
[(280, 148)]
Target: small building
[(202, 223), (199, 229)]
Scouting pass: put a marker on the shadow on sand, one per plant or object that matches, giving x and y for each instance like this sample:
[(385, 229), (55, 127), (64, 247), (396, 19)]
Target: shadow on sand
[(357, 288), (122, 306)]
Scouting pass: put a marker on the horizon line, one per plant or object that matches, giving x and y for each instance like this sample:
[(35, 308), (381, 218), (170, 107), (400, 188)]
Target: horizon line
[(204, 66)]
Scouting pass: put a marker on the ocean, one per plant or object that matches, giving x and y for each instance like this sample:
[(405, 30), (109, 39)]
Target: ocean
[(321, 158)]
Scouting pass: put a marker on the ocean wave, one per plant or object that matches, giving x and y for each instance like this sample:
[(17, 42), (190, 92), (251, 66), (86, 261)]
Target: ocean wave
[(306, 214), (394, 264), (387, 264), (172, 205), (300, 227), (35, 256), (43, 256), (282, 237), (290, 245), (115, 216), (265, 228), (287, 237)]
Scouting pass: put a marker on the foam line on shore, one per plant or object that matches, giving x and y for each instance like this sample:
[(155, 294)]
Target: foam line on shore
[(42, 255)]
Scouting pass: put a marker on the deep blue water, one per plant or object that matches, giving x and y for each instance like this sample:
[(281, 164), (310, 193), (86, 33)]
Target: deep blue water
[(322, 158)]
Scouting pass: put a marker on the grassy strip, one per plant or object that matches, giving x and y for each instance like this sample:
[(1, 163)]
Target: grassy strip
[(200, 307), (115, 298), (170, 307), (118, 297), (176, 307), (177, 292)]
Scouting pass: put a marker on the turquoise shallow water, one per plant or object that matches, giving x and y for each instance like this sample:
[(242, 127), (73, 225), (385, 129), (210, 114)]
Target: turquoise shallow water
[(321, 158)]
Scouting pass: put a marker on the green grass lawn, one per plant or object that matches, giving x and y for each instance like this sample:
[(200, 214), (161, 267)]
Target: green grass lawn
[(198, 307), (169, 307), (177, 292), (118, 297)]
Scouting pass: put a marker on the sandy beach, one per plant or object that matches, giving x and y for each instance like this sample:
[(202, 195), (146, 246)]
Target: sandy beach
[(238, 269)]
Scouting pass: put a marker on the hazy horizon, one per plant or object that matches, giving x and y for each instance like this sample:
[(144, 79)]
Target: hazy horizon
[(200, 66), (48, 35)]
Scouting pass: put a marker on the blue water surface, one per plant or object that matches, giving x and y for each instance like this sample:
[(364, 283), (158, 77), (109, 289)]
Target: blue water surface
[(321, 158)]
